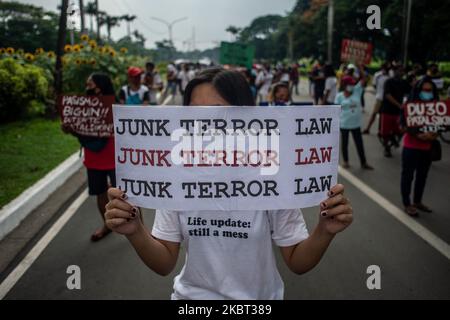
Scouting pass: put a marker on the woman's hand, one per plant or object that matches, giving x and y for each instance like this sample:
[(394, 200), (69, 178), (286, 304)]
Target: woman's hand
[(336, 212), (120, 216), (427, 136)]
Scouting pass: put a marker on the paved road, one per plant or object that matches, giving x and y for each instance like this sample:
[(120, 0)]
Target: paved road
[(411, 268)]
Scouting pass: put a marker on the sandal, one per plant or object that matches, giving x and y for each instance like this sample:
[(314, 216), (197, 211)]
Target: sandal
[(422, 207), (100, 234), (411, 211)]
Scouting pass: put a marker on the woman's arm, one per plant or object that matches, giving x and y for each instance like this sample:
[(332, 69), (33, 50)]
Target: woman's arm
[(121, 217), (336, 215), (362, 75)]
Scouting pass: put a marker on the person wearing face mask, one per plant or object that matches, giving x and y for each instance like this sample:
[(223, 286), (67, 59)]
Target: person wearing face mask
[(395, 90), (351, 117), (218, 267), (416, 153), (98, 154)]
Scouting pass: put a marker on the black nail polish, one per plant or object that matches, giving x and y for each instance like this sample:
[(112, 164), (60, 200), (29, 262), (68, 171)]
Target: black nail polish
[(134, 210), (323, 205), (323, 213), (124, 196), (133, 215)]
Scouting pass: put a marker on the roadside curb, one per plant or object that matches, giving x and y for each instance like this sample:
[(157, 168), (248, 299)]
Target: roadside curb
[(18, 209)]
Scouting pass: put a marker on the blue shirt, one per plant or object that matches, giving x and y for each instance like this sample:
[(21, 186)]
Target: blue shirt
[(351, 109)]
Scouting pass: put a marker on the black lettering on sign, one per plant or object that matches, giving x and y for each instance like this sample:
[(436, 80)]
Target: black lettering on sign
[(313, 184), (147, 188), (149, 127), (254, 188), (313, 126)]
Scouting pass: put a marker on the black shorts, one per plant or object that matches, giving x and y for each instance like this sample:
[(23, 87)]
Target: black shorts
[(98, 180)]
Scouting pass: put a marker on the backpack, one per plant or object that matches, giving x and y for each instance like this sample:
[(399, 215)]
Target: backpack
[(132, 99), (93, 144)]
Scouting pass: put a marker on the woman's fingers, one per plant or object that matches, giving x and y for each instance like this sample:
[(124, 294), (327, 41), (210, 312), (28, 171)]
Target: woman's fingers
[(337, 189), (113, 223), (120, 204), (117, 213), (116, 193), (342, 209), (344, 218), (334, 201)]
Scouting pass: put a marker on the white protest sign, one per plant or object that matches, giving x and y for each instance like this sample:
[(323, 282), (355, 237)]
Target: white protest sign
[(226, 158)]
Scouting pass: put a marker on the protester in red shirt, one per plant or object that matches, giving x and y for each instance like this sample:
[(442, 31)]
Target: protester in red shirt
[(416, 155), (98, 154)]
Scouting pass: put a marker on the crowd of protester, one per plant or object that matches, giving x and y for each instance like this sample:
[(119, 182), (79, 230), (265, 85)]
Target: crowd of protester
[(278, 85)]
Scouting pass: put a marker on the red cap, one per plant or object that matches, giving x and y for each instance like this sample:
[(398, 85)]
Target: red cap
[(134, 71), (348, 80)]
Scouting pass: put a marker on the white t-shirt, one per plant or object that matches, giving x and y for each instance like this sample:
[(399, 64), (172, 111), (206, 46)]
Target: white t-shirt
[(235, 260), (265, 78), (379, 79), (285, 77), (143, 93), (185, 77), (331, 85)]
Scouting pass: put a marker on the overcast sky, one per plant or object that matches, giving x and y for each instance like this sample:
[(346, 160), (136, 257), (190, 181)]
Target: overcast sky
[(209, 18)]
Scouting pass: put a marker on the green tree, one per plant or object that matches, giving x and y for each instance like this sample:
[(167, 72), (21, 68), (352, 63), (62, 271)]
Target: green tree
[(26, 26)]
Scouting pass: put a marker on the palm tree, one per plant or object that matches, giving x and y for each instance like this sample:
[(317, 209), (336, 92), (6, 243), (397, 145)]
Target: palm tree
[(101, 21), (234, 31), (128, 19), (91, 10), (139, 37), (110, 22)]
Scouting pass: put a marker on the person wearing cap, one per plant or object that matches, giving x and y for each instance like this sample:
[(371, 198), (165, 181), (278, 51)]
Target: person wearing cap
[(351, 116), (134, 93)]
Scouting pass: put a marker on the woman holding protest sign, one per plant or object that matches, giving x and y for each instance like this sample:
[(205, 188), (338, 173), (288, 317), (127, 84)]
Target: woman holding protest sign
[(417, 152), (351, 116), (98, 154), (240, 265)]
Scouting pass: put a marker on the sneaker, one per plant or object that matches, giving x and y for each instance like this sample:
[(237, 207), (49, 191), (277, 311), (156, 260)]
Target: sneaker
[(422, 207), (411, 211)]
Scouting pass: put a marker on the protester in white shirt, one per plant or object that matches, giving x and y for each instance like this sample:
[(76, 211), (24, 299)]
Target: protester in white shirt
[(152, 79), (379, 79), (235, 260), (263, 82), (185, 75), (330, 84)]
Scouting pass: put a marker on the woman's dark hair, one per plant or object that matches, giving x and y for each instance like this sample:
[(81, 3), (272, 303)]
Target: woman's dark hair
[(328, 70), (415, 92), (231, 85), (104, 83)]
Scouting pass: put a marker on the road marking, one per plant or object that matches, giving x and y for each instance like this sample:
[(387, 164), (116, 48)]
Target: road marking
[(40, 246), (433, 240)]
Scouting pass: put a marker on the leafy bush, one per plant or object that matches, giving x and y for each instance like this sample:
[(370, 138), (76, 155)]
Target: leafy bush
[(22, 87)]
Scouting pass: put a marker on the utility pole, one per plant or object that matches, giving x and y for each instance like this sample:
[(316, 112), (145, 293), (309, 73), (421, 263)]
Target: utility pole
[(96, 18), (330, 30), (60, 47), (169, 25), (82, 20), (407, 27)]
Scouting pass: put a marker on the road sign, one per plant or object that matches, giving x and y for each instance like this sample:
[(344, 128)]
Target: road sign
[(237, 54)]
